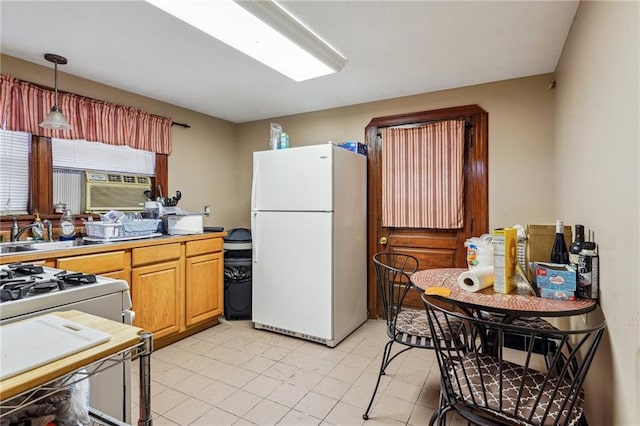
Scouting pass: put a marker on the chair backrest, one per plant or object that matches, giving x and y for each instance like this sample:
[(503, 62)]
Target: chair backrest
[(393, 271), (492, 383)]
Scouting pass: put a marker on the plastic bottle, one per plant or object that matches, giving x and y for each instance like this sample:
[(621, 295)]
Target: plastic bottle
[(284, 140), (588, 271), (67, 227), (559, 253), (38, 230), (479, 252), (576, 246)]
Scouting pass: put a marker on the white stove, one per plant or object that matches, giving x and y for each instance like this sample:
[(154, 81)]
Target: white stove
[(27, 290)]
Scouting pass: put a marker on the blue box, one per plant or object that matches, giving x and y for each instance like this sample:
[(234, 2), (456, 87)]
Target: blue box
[(554, 276), (355, 146), (550, 293)]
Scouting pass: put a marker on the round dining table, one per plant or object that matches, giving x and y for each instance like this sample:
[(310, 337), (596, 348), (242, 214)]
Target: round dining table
[(511, 305)]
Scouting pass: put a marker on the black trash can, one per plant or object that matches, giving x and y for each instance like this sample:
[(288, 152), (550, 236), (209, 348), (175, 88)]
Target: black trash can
[(237, 274)]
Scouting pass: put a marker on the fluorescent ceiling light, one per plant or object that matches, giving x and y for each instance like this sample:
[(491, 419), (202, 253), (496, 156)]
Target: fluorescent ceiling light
[(262, 30)]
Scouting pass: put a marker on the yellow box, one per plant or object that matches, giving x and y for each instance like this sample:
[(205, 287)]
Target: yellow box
[(505, 258)]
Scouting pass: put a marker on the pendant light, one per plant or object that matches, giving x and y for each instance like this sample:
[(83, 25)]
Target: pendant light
[(55, 119)]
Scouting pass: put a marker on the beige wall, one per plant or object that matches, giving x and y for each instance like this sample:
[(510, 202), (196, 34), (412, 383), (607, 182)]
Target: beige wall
[(520, 141), (597, 160), (202, 165)]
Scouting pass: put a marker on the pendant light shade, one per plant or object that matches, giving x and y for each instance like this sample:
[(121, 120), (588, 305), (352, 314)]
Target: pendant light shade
[(55, 119)]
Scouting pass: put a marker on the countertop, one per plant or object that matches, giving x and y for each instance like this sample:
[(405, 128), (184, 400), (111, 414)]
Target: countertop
[(104, 247)]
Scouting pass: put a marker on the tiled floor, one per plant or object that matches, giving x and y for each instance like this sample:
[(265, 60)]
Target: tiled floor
[(232, 374)]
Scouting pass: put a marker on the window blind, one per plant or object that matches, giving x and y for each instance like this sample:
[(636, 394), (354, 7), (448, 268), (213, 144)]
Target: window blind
[(14, 172), (82, 155)]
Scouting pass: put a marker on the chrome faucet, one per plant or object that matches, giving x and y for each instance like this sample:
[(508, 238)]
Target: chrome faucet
[(16, 231), (47, 223)]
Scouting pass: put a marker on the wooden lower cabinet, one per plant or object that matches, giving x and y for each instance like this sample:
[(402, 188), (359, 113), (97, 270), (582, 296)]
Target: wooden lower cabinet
[(156, 292), (204, 288)]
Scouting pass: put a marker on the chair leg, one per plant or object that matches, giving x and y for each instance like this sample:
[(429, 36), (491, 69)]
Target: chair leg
[(383, 366)]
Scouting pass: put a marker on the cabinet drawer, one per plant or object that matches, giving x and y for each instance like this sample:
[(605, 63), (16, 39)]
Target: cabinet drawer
[(94, 263), (195, 248), (155, 254)]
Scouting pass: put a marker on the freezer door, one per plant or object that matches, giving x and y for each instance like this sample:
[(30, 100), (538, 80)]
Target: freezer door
[(291, 276), (295, 179)]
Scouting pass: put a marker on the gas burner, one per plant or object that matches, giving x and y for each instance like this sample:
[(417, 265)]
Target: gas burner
[(6, 274), (20, 288), (76, 278), (46, 286), (23, 269), (16, 282), (17, 289)]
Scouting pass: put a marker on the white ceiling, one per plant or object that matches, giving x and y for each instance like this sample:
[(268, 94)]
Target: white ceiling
[(394, 48)]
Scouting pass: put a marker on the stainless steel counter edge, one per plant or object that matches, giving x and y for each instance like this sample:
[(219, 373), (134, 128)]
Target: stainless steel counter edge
[(106, 247)]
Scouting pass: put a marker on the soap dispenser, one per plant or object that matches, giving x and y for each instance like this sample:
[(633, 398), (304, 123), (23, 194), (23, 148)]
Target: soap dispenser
[(38, 230), (67, 227)]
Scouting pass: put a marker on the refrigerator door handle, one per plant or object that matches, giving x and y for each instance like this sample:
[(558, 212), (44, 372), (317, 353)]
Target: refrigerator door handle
[(256, 240)]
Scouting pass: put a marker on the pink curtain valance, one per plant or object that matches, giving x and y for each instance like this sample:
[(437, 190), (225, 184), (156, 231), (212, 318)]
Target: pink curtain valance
[(24, 105), (423, 176)]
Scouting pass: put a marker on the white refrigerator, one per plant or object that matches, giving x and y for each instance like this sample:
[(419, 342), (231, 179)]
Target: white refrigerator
[(309, 230)]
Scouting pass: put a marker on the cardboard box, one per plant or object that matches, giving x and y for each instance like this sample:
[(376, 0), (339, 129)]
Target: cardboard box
[(539, 242), (549, 293), (504, 259), (355, 146), (554, 276)]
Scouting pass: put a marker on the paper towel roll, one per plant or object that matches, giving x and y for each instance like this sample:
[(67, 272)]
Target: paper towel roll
[(476, 279)]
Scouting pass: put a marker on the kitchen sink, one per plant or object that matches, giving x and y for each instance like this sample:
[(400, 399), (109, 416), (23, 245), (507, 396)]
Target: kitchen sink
[(54, 245), (32, 246), (15, 249)]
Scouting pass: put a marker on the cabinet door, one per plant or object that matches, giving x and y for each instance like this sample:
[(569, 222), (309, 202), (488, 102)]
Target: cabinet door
[(204, 288), (156, 296)]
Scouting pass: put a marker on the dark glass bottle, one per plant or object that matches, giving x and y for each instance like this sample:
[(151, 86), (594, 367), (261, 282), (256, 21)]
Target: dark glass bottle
[(576, 246), (559, 253)]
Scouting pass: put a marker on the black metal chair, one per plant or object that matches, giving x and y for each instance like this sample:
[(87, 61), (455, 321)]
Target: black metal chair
[(406, 326), (507, 387)]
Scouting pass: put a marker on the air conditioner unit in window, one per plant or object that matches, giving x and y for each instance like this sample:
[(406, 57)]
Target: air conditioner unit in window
[(115, 191)]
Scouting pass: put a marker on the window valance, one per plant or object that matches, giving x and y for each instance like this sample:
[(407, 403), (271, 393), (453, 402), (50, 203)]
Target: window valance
[(23, 105)]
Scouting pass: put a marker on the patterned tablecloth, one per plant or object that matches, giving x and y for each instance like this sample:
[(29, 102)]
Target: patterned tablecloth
[(509, 304)]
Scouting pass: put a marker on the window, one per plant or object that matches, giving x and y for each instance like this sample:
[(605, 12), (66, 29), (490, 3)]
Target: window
[(14, 172), (72, 157)]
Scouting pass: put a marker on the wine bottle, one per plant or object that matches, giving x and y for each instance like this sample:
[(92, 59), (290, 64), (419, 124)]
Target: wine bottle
[(576, 246), (559, 253)]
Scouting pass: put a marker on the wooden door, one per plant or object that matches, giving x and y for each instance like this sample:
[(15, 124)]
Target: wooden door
[(434, 248)]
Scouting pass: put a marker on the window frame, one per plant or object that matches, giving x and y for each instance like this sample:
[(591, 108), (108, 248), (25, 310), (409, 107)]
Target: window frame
[(41, 176)]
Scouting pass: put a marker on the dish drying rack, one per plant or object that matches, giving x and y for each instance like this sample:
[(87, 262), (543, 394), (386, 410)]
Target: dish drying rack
[(133, 228)]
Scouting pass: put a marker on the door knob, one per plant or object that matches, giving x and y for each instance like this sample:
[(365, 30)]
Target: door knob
[(383, 240)]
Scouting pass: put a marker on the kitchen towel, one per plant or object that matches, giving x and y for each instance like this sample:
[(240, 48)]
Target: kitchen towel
[(476, 279)]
